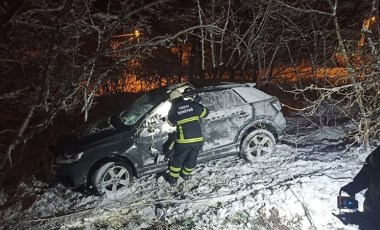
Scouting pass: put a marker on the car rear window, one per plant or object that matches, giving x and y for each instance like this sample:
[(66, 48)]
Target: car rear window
[(222, 99), (252, 94)]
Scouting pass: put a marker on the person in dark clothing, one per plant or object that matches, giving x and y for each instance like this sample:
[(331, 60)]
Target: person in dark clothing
[(368, 178), (186, 116)]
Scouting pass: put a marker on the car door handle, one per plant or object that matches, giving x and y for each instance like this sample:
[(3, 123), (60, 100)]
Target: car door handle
[(243, 114)]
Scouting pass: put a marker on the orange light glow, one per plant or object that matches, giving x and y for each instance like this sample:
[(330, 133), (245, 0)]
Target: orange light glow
[(137, 33), (131, 82), (366, 27), (334, 75), (183, 53)]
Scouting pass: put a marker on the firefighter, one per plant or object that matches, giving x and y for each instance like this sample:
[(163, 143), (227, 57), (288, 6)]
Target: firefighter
[(186, 116)]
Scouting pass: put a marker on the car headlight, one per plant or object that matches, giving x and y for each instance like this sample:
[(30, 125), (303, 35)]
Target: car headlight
[(69, 158)]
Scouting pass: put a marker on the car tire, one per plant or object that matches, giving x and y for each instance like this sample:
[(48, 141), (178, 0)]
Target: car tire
[(111, 178), (257, 145)]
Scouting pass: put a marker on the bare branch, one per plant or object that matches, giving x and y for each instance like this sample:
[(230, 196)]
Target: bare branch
[(307, 10)]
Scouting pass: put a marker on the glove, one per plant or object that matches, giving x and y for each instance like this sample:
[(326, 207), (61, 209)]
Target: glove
[(197, 98), (168, 154), (168, 146), (349, 189)]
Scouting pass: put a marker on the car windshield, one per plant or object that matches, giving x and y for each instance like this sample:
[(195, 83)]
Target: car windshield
[(142, 105)]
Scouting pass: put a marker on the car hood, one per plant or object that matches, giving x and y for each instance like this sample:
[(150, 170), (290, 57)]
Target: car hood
[(91, 134), (93, 128)]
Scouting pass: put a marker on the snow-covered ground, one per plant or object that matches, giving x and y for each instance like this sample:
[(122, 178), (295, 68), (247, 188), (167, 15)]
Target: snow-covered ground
[(296, 188)]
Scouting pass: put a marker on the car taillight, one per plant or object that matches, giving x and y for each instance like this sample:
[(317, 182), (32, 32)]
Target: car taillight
[(276, 104)]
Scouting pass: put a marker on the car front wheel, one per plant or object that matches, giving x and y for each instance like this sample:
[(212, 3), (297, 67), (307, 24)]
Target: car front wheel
[(111, 178), (258, 144)]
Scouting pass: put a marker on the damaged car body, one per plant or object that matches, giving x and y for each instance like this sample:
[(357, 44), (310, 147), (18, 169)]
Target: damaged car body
[(107, 154)]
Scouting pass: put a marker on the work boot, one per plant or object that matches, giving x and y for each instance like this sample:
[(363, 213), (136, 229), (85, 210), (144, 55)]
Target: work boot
[(185, 177), (171, 180), (173, 183)]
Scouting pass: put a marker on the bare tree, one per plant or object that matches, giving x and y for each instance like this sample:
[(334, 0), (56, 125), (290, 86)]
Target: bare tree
[(353, 93), (54, 57), (58, 56), (318, 45)]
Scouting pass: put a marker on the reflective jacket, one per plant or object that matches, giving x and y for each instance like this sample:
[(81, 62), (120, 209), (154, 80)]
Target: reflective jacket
[(186, 115)]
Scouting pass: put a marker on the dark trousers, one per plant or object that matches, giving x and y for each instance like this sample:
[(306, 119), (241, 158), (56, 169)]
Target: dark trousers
[(184, 160)]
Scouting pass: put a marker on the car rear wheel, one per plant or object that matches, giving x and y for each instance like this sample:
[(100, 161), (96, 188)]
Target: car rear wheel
[(258, 144), (111, 178)]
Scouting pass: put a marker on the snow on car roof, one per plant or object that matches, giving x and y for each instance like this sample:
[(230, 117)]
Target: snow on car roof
[(245, 90), (219, 85), (251, 94)]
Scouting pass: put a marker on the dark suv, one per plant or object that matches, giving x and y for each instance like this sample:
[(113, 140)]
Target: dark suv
[(105, 155)]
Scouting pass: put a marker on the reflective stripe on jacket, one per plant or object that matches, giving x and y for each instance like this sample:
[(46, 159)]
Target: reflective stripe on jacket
[(186, 115)]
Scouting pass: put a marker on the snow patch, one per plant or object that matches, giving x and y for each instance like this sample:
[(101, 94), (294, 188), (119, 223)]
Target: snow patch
[(295, 188)]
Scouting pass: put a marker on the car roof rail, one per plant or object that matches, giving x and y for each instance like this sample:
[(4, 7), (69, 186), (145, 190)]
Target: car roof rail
[(237, 84), (251, 84), (216, 86)]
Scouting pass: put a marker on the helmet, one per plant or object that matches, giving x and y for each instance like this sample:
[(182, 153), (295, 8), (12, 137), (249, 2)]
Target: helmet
[(175, 94)]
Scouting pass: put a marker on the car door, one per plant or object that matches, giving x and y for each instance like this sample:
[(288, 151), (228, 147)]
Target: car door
[(152, 134), (228, 112)]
